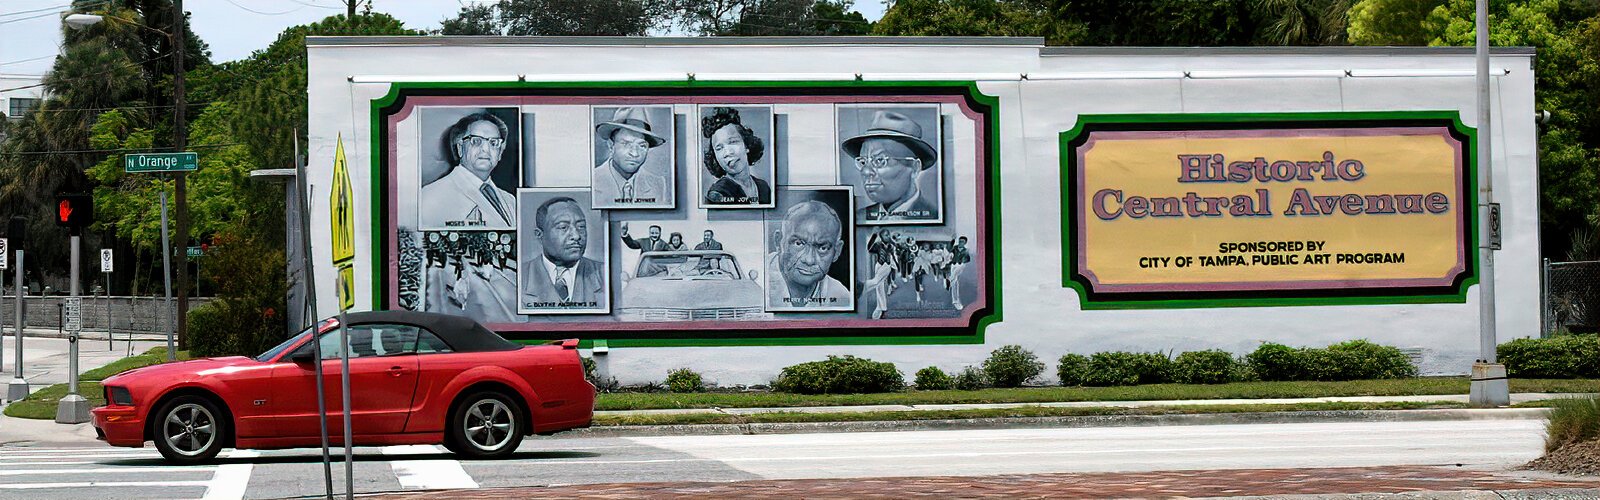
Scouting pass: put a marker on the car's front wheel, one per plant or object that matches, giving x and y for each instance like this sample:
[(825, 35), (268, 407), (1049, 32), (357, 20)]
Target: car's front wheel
[(189, 430), (486, 424)]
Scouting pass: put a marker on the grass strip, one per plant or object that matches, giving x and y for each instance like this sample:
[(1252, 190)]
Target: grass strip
[(1242, 390), (1019, 412), (41, 405)]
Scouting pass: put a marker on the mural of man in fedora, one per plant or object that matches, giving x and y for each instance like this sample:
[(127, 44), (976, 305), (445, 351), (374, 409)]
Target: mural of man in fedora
[(633, 174), (891, 156)]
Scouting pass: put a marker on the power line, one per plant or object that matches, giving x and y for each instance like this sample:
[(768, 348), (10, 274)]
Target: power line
[(121, 150), (150, 106), (137, 64), (20, 61), (247, 9)]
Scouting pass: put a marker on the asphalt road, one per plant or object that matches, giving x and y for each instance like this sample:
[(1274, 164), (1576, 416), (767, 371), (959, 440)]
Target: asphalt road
[(45, 471)]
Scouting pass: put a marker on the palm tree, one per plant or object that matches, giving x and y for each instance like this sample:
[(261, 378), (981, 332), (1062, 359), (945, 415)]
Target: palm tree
[(1302, 22)]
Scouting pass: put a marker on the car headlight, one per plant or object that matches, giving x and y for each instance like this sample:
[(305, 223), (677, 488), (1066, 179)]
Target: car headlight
[(119, 396)]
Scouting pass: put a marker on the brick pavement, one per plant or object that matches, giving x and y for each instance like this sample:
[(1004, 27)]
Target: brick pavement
[(1199, 483)]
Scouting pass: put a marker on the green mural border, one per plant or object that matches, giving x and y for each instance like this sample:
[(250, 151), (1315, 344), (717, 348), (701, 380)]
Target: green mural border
[(1468, 278), (978, 327)]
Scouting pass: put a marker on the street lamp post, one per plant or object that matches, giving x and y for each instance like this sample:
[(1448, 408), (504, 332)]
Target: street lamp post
[(180, 140)]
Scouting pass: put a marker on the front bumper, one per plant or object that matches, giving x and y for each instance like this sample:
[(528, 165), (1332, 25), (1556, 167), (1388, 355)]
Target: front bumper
[(118, 425)]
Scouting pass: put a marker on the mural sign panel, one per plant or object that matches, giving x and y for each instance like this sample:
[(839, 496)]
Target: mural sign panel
[(1191, 210), (690, 214)]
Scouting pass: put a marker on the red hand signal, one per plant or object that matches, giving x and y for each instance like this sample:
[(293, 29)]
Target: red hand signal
[(65, 210)]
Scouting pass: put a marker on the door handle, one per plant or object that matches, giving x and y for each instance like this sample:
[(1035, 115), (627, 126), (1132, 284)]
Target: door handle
[(396, 371)]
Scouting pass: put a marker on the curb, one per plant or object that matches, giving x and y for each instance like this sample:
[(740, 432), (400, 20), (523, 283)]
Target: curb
[(1282, 417), (1502, 494)]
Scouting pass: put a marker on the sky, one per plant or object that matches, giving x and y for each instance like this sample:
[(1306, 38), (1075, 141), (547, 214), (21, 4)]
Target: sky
[(30, 29)]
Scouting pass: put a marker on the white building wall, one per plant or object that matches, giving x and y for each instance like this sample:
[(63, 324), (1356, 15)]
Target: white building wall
[(1039, 313)]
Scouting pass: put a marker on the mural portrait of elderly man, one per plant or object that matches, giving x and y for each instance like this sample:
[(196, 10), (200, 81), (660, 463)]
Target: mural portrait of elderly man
[(632, 174), (890, 157), (559, 276), (467, 196), (810, 239)]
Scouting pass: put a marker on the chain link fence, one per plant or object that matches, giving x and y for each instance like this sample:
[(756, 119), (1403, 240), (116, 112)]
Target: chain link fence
[(127, 314), (1571, 296)]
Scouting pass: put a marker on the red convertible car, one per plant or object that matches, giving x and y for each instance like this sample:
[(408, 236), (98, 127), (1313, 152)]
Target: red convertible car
[(415, 378)]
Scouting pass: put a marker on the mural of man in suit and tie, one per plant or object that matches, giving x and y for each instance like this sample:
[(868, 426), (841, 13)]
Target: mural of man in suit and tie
[(560, 272), (472, 192)]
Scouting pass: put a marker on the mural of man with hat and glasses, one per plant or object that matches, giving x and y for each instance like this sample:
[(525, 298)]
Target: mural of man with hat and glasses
[(890, 156), (631, 176)]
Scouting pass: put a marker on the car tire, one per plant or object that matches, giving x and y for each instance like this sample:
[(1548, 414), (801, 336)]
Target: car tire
[(189, 430), (486, 425)]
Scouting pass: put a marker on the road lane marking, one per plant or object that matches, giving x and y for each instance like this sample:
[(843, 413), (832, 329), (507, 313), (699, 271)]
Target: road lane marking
[(73, 451), (231, 480), (101, 484), (108, 470), (428, 474)]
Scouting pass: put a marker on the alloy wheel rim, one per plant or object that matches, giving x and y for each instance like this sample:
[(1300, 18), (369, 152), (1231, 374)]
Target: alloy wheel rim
[(489, 424), (189, 429)]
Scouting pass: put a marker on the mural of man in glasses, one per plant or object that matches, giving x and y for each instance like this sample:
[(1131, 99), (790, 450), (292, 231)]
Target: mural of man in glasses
[(467, 197)]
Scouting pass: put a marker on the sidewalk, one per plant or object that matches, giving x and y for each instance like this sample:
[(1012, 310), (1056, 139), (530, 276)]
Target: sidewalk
[(1440, 398), (45, 360), (1409, 482)]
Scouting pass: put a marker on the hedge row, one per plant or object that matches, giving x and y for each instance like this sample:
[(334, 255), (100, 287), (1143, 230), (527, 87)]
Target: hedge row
[(1562, 356)]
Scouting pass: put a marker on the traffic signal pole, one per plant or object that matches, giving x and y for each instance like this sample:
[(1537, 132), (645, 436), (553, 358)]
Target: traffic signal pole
[(73, 408), (180, 141)]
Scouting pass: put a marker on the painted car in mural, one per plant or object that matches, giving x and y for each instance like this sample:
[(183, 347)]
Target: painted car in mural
[(422, 378), (691, 285)]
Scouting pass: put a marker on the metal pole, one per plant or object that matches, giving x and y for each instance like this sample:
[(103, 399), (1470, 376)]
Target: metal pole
[(166, 278), (18, 388), (310, 311), (1544, 301), (109, 345), (73, 408), (344, 392), (180, 142), (1489, 386)]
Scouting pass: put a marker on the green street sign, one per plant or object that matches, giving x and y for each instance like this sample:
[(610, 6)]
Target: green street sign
[(196, 252), (161, 162)]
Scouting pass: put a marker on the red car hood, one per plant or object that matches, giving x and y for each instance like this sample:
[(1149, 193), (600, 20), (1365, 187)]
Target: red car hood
[(184, 370)]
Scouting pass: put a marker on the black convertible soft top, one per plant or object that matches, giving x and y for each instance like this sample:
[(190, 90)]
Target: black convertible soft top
[(462, 333)]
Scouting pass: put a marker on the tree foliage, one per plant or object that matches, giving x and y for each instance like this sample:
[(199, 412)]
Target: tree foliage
[(558, 18)]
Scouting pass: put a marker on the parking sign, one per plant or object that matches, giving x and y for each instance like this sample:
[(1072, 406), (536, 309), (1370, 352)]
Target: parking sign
[(105, 260)]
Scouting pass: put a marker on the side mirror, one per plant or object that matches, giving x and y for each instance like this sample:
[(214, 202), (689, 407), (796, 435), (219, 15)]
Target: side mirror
[(753, 274), (302, 357)]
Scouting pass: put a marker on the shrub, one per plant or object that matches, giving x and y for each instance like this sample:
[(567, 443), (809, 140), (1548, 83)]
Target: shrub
[(933, 379), (1565, 356), (1127, 368), (971, 379), (1012, 366), (684, 380), (244, 318), (840, 375), (1356, 360), (1072, 369), (1204, 367), (1276, 362), (1572, 420), (591, 374)]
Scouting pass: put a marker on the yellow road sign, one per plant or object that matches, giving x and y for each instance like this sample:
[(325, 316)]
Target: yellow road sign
[(347, 286), (342, 204)]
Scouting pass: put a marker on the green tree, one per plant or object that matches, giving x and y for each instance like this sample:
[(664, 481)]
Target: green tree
[(1301, 22), (1390, 22), (1203, 23), (975, 18), (558, 18)]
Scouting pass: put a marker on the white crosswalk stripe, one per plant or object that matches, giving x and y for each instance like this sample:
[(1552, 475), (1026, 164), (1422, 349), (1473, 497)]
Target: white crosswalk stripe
[(427, 474)]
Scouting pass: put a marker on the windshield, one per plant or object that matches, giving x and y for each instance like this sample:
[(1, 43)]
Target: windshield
[(275, 351), (694, 267)]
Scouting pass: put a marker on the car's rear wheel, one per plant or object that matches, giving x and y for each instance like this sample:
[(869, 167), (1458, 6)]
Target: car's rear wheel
[(189, 430), (487, 424)]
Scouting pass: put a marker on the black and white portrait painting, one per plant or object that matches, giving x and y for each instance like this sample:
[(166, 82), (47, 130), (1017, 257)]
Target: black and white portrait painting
[(562, 258), (469, 168), (890, 154), (808, 251), (676, 270), (470, 273), (633, 157), (736, 146)]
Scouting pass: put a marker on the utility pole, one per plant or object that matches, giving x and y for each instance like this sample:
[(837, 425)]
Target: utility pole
[(180, 141), (1489, 386)]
